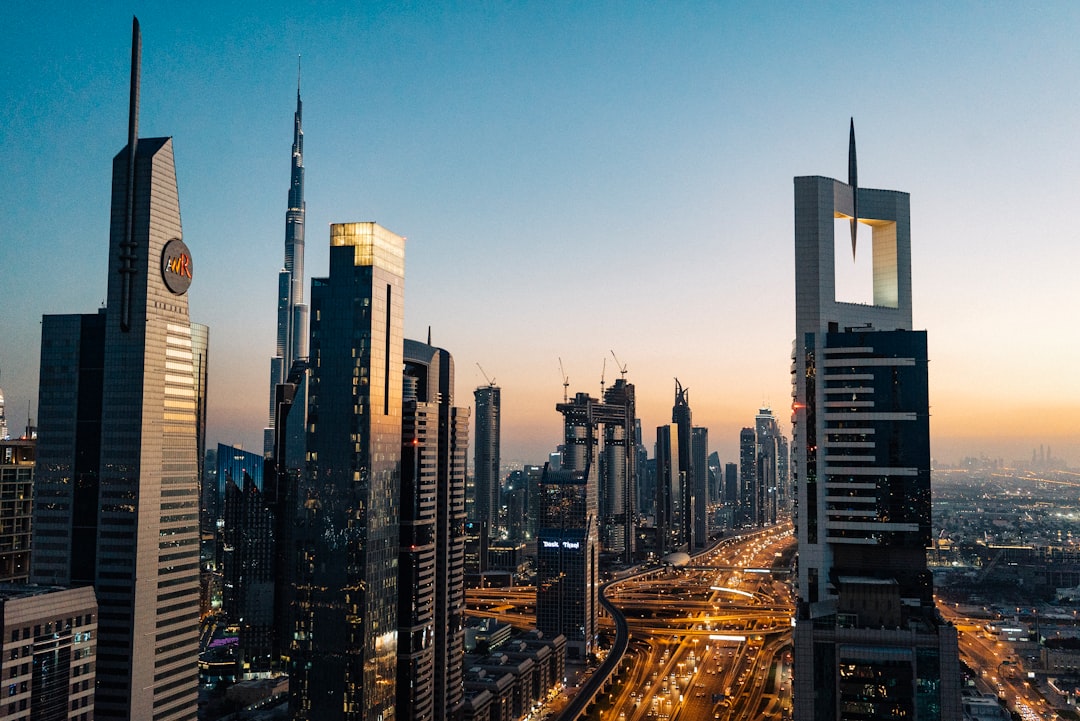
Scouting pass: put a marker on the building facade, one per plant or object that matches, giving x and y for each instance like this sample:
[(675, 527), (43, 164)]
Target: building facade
[(766, 467), (486, 460), (117, 499), (16, 508), (699, 456), (343, 655), (669, 495), (48, 652), (567, 547), (868, 640), (431, 599), (748, 509), (682, 420)]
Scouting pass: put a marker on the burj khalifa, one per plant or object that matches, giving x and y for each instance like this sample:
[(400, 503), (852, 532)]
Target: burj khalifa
[(292, 314)]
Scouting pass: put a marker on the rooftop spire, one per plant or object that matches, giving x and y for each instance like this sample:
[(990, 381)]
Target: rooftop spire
[(127, 253), (853, 181)]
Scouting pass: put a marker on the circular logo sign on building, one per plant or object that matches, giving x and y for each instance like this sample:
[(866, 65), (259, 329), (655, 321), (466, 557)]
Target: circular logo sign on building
[(176, 266)]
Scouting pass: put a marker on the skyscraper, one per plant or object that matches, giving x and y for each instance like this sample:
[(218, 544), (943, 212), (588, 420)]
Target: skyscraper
[(767, 433), (486, 461), (747, 511), (699, 455), (117, 473), (431, 601), (247, 557), (292, 313), (618, 416), (681, 417), (669, 495), (566, 553), (17, 492), (869, 642), (343, 661)]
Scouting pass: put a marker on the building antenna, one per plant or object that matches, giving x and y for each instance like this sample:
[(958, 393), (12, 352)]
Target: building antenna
[(565, 382), (853, 181), (127, 246)]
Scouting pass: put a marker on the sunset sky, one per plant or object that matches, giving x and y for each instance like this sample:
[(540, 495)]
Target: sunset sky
[(573, 178)]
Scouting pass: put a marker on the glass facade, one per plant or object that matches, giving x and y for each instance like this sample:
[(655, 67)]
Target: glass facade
[(16, 499), (344, 641)]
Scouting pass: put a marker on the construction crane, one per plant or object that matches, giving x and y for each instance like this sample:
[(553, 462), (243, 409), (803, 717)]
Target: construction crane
[(490, 381), (565, 382), (622, 368), (603, 370)]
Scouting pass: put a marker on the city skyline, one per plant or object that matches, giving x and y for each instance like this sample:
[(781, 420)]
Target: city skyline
[(520, 145)]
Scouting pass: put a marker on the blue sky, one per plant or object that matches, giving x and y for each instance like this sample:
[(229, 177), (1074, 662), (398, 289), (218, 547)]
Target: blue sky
[(573, 178)]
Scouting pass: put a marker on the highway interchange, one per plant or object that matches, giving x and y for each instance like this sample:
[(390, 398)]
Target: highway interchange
[(708, 641)]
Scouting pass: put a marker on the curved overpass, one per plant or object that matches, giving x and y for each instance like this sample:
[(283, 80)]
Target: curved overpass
[(599, 679)]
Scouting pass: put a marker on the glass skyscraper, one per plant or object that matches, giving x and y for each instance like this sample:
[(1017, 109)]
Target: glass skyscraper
[(117, 502), (486, 459), (343, 655)]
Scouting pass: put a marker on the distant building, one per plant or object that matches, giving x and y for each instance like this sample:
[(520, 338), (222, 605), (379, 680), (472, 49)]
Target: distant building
[(731, 485), (869, 642), (618, 417), (486, 471), (748, 494), (16, 508), (699, 455), (766, 433), (567, 546), (669, 495), (292, 313), (48, 652), (247, 560), (233, 463), (681, 418)]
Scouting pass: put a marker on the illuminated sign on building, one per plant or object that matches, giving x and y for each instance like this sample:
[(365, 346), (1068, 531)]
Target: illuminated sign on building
[(176, 266)]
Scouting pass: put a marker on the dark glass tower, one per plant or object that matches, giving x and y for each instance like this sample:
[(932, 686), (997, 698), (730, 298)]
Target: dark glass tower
[(344, 648), (669, 494), (681, 418), (431, 598), (247, 557), (117, 476), (486, 460), (748, 510), (699, 453), (292, 313), (567, 547), (767, 435), (869, 642)]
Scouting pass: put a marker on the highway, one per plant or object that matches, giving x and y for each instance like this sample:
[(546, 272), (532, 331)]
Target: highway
[(711, 641), (997, 665)]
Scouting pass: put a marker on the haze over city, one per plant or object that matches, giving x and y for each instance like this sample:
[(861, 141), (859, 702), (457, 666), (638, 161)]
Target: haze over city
[(574, 180)]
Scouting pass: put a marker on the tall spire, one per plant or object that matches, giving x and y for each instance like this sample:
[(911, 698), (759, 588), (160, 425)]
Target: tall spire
[(127, 245), (853, 181), (292, 313)]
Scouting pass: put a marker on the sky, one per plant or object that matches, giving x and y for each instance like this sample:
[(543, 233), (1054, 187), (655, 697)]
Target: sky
[(573, 179)]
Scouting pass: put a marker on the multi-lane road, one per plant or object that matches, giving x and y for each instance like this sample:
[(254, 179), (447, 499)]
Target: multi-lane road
[(708, 641), (711, 640)]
